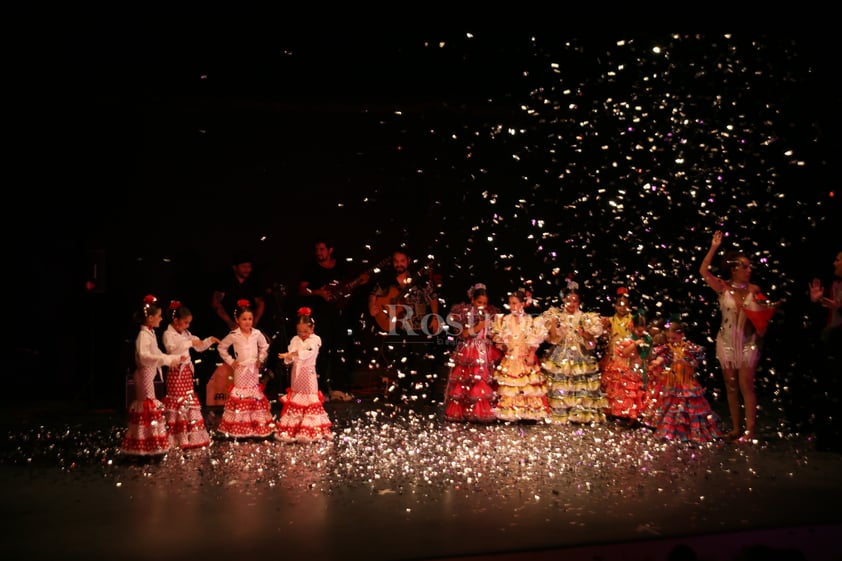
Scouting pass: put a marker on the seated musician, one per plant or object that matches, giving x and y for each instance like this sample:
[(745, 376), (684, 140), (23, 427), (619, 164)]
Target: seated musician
[(405, 309)]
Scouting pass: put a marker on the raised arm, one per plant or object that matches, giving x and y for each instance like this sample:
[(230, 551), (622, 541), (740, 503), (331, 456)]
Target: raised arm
[(712, 280)]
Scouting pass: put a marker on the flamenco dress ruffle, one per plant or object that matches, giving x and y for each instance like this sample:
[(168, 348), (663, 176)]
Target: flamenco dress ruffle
[(652, 400), (470, 394), (183, 411), (683, 413), (575, 394), (686, 416), (303, 418), (147, 433), (623, 388), (521, 390), (247, 413)]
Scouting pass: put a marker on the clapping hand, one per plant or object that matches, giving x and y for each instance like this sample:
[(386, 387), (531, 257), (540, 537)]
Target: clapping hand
[(816, 290)]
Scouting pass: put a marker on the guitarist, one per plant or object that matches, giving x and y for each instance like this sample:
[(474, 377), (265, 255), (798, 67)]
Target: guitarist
[(319, 289), (405, 309)]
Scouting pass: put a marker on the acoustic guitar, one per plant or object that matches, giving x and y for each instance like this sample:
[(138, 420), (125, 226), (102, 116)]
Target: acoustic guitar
[(340, 292), (390, 306)]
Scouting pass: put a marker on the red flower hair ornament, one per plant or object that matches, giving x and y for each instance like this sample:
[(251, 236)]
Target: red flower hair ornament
[(622, 291), (305, 312), (174, 304), (148, 301), (243, 303)]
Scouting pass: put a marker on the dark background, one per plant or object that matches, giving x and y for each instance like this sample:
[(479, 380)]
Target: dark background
[(148, 155)]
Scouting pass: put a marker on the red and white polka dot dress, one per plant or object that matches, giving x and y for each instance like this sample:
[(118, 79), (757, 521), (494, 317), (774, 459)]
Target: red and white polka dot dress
[(303, 417), (247, 412), (182, 408), (147, 433)]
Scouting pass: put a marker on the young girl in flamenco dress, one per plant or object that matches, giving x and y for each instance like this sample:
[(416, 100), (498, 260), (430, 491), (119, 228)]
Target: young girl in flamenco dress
[(182, 407), (624, 373), (470, 394), (618, 326), (247, 412), (147, 433), (572, 370), (521, 387), (683, 414), (303, 417)]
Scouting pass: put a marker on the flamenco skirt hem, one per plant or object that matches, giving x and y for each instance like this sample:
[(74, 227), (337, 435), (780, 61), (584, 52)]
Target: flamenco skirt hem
[(303, 438), (147, 433), (685, 415), (472, 412), (247, 414), (577, 416), (303, 419)]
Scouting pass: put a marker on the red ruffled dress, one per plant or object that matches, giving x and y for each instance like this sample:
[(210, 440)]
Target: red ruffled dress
[(471, 392)]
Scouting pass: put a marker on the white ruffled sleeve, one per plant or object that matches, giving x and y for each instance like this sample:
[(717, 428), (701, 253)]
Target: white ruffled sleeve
[(592, 324)]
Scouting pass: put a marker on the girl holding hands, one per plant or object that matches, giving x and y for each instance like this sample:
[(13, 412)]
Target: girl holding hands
[(182, 407), (147, 433)]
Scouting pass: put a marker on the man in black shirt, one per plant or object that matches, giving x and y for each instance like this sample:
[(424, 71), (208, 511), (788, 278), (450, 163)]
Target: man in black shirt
[(326, 289), (239, 283)]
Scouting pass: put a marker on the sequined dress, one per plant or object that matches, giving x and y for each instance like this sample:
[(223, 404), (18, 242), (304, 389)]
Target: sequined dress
[(147, 433), (470, 394), (737, 344), (247, 412), (521, 387), (575, 395), (182, 408), (683, 414), (303, 417)]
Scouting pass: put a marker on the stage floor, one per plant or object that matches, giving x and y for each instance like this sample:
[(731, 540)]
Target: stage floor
[(400, 483)]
